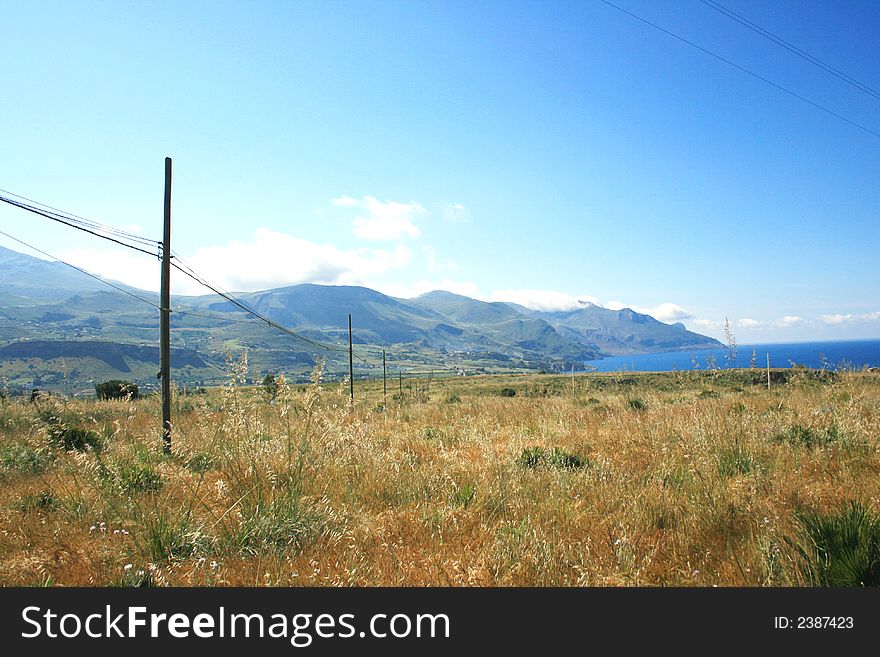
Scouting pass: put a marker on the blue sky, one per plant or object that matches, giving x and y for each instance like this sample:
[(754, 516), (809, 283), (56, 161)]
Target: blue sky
[(540, 152)]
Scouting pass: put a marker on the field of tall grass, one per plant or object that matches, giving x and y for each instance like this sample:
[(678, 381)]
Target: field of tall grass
[(683, 479)]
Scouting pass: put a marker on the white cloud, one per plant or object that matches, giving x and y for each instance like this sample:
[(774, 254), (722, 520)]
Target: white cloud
[(270, 259), (345, 202), (850, 318), (383, 220), (748, 323), (668, 312), (664, 312), (455, 212), (118, 265), (791, 320), (706, 323), (546, 300)]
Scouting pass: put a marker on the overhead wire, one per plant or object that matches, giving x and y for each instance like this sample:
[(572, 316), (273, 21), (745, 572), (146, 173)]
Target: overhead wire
[(741, 68), (244, 307), (790, 47), (87, 222), (97, 229), (82, 271), (63, 220), (247, 309)]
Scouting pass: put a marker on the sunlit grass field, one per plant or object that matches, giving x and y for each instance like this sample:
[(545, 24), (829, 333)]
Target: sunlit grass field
[(673, 479)]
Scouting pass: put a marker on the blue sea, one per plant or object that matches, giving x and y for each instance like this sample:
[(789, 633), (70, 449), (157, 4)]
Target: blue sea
[(831, 355)]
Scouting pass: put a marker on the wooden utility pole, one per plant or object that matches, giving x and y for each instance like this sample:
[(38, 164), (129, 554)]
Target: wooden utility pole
[(165, 316), (400, 380), (384, 381), (768, 371), (350, 365)]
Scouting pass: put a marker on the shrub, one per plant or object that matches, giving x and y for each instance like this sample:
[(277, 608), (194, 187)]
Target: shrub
[(64, 433), (637, 404), (23, 459), (134, 477), (508, 392), (75, 438), (44, 501), (800, 436), (274, 524), (841, 548), (270, 387), (464, 495), (735, 460), (534, 457), (453, 399), (166, 537), (116, 389), (432, 433)]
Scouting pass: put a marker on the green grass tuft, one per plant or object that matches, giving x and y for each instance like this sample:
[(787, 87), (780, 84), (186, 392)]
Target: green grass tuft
[(841, 548), (535, 457)]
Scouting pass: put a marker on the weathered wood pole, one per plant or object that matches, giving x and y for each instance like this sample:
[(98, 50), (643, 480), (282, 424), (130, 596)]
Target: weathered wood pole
[(165, 316)]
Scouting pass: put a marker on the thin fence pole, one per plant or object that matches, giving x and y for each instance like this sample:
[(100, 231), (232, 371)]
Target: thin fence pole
[(350, 365)]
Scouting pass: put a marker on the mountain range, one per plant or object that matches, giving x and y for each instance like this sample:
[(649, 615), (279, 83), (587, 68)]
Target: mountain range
[(62, 328)]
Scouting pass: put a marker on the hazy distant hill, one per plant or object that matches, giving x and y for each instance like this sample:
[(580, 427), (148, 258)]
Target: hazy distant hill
[(504, 324), (25, 278), (623, 331), (47, 309)]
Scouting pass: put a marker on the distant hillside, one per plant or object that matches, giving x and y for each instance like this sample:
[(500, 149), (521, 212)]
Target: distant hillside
[(73, 364), (47, 309), (380, 319), (25, 278), (115, 356), (625, 331), (504, 324)]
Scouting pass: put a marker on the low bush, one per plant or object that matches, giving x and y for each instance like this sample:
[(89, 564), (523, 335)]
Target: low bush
[(75, 438), (43, 501), (839, 549), (116, 389), (735, 460), (18, 458), (637, 404), (535, 457), (134, 477), (801, 436)]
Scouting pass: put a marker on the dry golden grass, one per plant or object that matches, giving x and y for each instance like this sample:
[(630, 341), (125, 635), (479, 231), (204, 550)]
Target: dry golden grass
[(697, 487)]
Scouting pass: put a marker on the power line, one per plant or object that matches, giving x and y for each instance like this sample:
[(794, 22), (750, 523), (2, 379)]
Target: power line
[(82, 220), (68, 219), (256, 315), (65, 221), (790, 47), (82, 271), (182, 266), (741, 68), (219, 318)]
